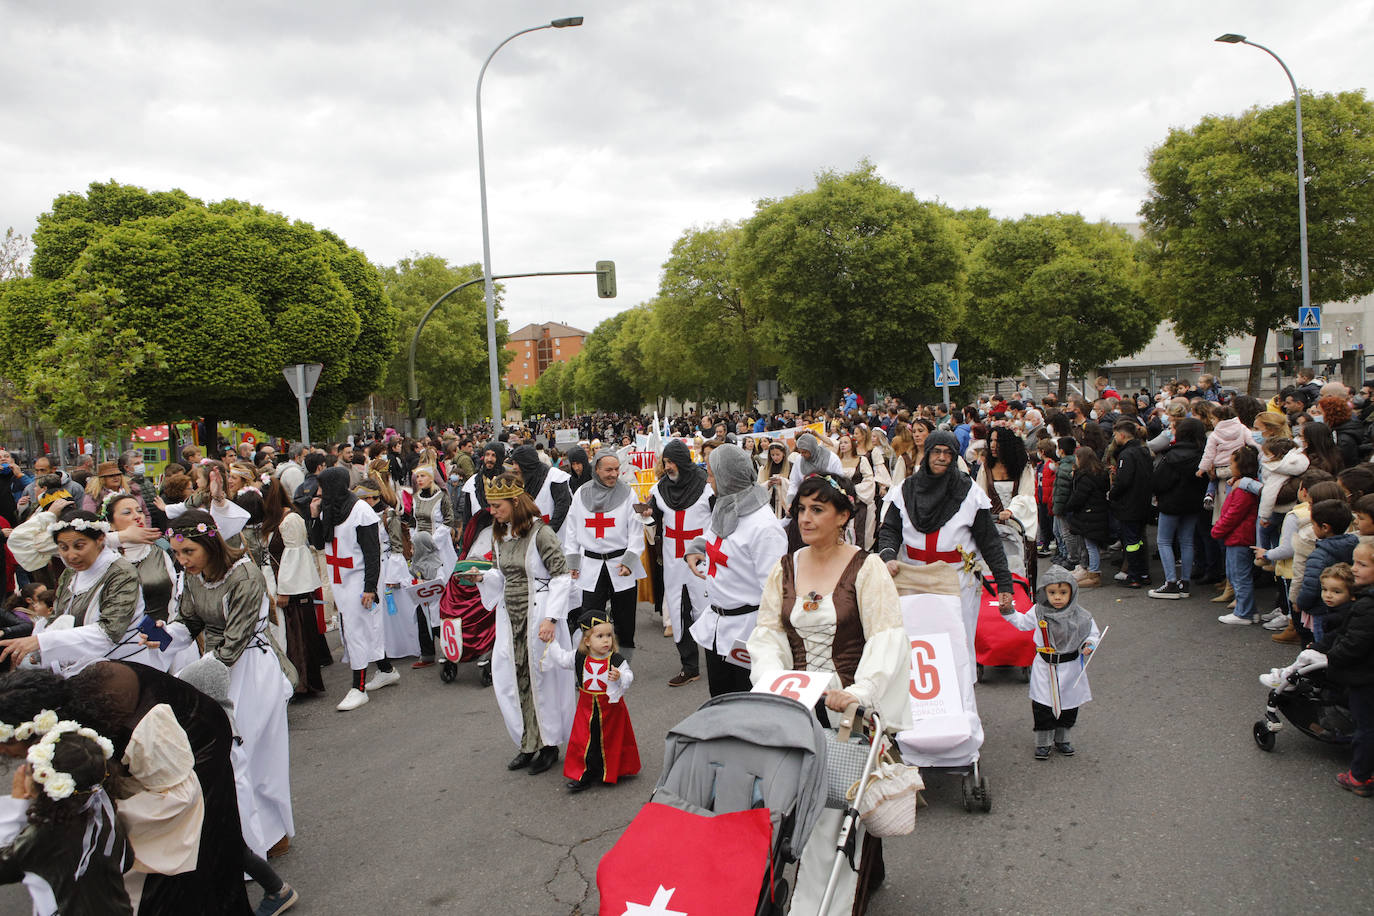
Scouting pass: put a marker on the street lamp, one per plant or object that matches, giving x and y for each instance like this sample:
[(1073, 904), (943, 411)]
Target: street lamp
[(1231, 38), (489, 285)]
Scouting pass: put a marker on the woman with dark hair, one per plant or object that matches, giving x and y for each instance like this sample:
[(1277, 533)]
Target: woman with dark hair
[(1009, 481), (773, 474), (1247, 408), (100, 590), (224, 598), (299, 599), (860, 474), (579, 468), (531, 587), (156, 573), (1320, 448), (830, 606), (1179, 493), (1349, 432), (1356, 481)]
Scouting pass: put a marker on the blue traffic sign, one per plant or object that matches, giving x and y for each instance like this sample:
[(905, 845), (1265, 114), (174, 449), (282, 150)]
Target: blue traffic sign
[(948, 378), (1309, 318)]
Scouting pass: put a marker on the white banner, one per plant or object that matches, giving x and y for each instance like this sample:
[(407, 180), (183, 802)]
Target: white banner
[(805, 687)]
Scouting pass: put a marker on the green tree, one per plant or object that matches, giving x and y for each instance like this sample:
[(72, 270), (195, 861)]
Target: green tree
[(451, 368), (228, 294), (545, 396), (601, 381), (854, 277), (83, 382), (703, 312), (1057, 289), (1221, 219)]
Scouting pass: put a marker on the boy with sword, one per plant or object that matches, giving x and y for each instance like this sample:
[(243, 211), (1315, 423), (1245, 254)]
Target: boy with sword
[(1065, 637)]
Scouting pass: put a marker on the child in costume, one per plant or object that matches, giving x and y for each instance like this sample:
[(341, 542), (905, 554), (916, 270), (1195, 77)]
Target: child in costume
[(1065, 637), (602, 746)]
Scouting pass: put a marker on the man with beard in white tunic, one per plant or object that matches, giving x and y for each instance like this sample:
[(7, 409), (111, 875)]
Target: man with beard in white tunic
[(742, 544), (681, 505), (603, 538)]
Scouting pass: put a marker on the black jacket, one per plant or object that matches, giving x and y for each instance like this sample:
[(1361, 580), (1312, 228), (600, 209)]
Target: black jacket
[(1087, 507), (1134, 486), (1350, 659), (1178, 490), (1350, 437)]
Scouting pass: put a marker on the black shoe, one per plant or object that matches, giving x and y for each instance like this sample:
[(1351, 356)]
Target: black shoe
[(520, 761), (577, 785), (1169, 590), (1063, 747), (547, 757), (486, 675), (1042, 752), (1135, 583), (1183, 588)]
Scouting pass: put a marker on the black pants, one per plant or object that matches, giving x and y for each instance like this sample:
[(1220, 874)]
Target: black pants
[(724, 677), (1045, 720), (687, 646), (427, 634), (1361, 703), (622, 605)]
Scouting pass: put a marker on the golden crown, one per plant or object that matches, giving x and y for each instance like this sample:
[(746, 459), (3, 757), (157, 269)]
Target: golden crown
[(504, 491)]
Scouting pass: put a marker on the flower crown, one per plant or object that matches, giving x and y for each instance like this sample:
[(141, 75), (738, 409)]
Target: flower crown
[(834, 484), (503, 491), (82, 525), (56, 784), (104, 513), (201, 530)]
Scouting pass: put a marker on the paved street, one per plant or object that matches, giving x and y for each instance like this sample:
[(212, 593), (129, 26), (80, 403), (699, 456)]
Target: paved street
[(405, 806)]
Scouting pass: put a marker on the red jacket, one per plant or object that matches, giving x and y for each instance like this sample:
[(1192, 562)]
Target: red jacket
[(1236, 527), (1046, 492)]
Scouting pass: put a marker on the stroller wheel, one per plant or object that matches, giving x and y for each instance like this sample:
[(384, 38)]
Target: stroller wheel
[(966, 791), (1264, 737), (984, 794), (1025, 675), (980, 674), (448, 673), (486, 674)]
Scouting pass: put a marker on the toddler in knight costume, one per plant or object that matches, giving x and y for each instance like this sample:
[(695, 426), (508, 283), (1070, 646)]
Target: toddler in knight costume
[(1065, 637)]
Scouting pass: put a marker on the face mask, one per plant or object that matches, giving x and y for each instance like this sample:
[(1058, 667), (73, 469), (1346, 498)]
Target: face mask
[(1361, 400), (1320, 418), (1092, 415), (139, 469)]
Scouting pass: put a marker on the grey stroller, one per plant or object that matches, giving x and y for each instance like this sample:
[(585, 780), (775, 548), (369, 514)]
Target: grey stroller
[(751, 750)]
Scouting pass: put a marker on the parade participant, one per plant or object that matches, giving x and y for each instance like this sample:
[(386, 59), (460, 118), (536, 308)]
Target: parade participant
[(547, 486), (937, 516), (774, 473), (432, 553), (1065, 634), (71, 851), (860, 473), (531, 589), (602, 746), (224, 597), (579, 468), (1009, 482), (742, 543), (346, 529), (490, 465), (810, 457), (100, 591), (399, 634), (832, 607), (603, 539), (299, 599), (243, 488), (156, 573), (681, 505)]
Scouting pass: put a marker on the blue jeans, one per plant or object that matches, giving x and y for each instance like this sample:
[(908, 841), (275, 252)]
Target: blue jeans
[(1181, 527), (1094, 556), (1240, 569)]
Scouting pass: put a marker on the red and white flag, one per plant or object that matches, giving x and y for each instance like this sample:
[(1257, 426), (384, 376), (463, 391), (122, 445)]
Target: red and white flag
[(646, 873)]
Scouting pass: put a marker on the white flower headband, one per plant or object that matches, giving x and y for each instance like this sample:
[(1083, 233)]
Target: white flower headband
[(56, 784), (82, 525)]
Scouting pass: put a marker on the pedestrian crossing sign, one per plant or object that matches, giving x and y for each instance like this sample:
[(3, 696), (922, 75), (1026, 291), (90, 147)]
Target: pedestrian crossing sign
[(949, 377), (1310, 318)]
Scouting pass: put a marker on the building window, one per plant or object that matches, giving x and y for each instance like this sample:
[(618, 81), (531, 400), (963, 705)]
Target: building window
[(555, 341), (527, 376), (557, 351)]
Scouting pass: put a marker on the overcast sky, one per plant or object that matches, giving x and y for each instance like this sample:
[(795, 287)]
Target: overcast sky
[(608, 140)]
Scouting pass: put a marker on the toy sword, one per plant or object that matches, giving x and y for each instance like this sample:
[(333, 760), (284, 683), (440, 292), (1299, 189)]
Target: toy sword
[(1084, 670), (1048, 649)]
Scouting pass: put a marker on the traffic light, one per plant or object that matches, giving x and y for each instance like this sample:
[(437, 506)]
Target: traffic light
[(605, 279), (1297, 344), (1285, 358)]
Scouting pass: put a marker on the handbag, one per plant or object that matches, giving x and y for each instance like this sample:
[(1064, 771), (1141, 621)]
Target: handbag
[(887, 803)]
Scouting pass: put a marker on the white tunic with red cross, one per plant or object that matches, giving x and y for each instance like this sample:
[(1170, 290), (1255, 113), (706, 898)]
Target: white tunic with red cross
[(363, 630), (596, 539), (680, 528), (543, 500), (736, 569)]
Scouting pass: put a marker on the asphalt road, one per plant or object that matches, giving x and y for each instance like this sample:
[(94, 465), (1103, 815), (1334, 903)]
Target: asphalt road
[(405, 806)]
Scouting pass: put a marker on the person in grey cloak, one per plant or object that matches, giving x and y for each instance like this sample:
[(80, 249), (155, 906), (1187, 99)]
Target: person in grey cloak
[(810, 457)]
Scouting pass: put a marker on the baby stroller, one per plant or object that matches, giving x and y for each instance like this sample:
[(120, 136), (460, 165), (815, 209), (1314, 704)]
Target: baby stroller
[(467, 628), (997, 643), (739, 755), (1314, 707)]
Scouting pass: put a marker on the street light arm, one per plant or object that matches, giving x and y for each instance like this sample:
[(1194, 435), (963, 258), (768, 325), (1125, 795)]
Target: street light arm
[(1289, 73)]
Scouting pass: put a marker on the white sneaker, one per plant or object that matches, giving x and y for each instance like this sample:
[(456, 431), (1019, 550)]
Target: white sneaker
[(1276, 612), (1271, 679), (352, 700), (1121, 577), (383, 679), (1235, 621), (1278, 623)]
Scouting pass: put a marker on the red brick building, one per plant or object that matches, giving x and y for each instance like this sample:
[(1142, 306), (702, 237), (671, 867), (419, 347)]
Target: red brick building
[(538, 346)]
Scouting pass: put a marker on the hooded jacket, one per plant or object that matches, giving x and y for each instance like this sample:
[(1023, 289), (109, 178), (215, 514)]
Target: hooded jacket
[(1225, 438), (1063, 485), (1276, 474), (1133, 488), (1086, 507), (1339, 548), (1350, 659), (1178, 490)]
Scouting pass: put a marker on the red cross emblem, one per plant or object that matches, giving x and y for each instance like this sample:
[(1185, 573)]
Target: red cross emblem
[(716, 556), (594, 674), (600, 521), (331, 556), (930, 554), (547, 519), (681, 534)]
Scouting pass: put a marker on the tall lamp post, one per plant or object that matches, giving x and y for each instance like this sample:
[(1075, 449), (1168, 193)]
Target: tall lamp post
[(489, 284), (1309, 337)]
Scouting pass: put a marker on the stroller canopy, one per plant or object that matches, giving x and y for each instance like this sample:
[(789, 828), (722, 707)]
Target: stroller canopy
[(748, 750)]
